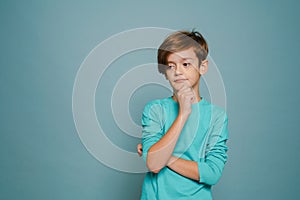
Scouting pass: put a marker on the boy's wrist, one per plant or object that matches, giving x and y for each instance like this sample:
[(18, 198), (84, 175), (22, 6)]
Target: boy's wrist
[(183, 116)]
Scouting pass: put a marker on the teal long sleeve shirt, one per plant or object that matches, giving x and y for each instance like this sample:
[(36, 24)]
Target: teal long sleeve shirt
[(202, 139)]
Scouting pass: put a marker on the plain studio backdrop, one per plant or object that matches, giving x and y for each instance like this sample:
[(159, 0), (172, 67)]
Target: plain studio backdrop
[(255, 45)]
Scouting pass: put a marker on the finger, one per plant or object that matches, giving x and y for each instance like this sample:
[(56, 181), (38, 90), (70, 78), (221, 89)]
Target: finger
[(190, 96), (139, 149), (186, 92), (140, 153)]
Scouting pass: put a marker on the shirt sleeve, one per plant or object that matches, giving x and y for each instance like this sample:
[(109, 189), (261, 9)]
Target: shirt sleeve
[(152, 126), (211, 166)]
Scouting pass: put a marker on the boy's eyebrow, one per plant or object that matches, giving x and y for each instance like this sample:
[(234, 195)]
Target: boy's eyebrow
[(170, 61), (187, 58)]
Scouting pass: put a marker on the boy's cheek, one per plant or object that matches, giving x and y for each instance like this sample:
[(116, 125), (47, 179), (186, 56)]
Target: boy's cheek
[(174, 85), (168, 75)]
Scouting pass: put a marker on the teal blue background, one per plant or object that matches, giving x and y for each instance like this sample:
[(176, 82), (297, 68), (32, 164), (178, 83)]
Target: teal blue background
[(255, 44)]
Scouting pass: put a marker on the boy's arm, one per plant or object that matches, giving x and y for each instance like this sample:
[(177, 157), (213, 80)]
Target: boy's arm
[(184, 167), (159, 153), (209, 169)]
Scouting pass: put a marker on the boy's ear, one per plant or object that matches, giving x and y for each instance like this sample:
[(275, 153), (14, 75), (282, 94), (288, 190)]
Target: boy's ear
[(203, 67)]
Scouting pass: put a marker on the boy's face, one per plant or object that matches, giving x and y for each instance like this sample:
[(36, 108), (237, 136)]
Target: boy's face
[(183, 68)]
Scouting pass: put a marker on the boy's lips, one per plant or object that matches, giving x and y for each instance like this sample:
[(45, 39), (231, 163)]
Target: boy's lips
[(180, 80)]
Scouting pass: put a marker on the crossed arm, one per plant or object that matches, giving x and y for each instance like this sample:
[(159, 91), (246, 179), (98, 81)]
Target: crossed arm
[(160, 154), (210, 168), (184, 167)]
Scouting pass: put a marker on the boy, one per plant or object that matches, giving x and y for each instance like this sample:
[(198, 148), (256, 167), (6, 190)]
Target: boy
[(184, 137)]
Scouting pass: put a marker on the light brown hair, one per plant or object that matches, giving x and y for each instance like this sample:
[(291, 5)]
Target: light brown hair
[(180, 41)]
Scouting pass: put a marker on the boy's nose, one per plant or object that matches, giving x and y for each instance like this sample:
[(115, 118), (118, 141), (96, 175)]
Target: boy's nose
[(178, 70)]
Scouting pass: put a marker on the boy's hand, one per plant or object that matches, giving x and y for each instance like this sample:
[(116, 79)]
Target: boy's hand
[(185, 96), (139, 149)]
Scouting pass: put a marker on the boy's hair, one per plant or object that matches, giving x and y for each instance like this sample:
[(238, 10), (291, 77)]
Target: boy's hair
[(180, 41)]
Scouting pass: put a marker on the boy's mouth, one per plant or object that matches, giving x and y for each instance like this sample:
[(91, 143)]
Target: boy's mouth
[(180, 80)]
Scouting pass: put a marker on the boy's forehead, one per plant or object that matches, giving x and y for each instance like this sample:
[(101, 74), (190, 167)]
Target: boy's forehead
[(188, 54)]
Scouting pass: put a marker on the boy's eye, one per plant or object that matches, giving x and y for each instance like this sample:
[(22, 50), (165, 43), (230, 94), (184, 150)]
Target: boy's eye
[(186, 64), (171, 66)]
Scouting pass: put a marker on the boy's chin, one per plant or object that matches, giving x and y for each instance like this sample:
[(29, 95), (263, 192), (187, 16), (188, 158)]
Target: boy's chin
[(178, 85)]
